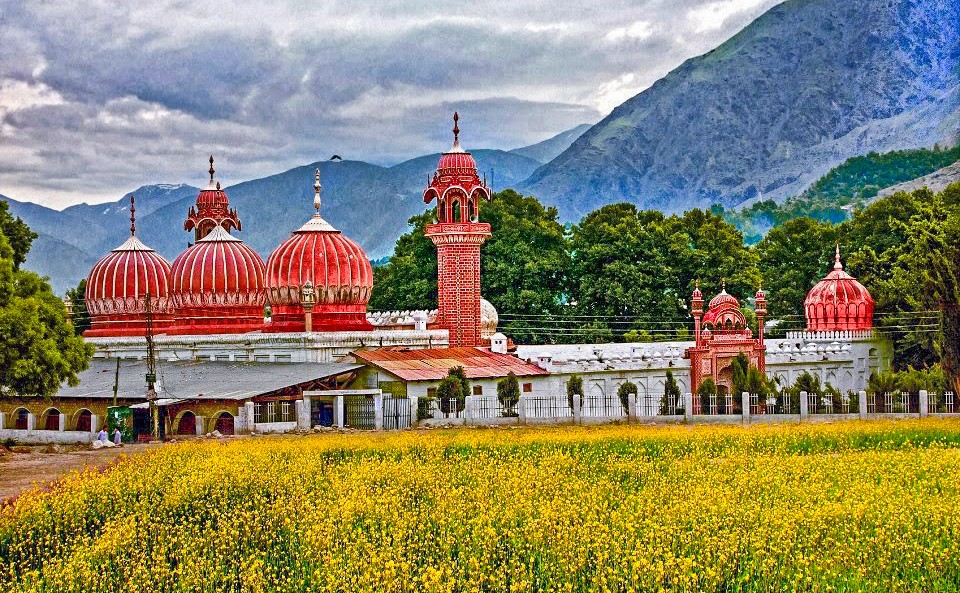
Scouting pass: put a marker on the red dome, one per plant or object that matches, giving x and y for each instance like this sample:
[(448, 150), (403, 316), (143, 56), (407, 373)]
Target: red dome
[(725, 299), (117, 287), (217, 286), (838, 302), (336, 266), (457, 158)]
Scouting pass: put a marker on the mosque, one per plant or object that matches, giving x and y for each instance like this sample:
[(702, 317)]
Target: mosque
[(215, 361)]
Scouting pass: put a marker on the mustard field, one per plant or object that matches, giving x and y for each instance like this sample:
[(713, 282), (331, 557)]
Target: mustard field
[(840, 507)]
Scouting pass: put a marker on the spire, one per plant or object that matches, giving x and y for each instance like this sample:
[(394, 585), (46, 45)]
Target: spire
[(133, 218), (456, 128), (212, 170), (723, 285), (316, 191), (836, 259)]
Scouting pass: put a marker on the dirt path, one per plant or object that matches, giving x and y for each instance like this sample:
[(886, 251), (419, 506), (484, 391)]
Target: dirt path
[(19, 471)]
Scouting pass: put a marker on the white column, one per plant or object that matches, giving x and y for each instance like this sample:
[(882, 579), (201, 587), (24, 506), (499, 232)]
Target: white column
[(746, 407), (248, 412), (522, 409), (688, 406), (62, 422), (378, 411), (414, 407), (94, 423), (862, 403), (338, 419), (201, 424), (469, 409), (3, 420), (303, 423), (577, 409), (804, 405), (632, 406), (31, 421), (924, 403), (305, 416)]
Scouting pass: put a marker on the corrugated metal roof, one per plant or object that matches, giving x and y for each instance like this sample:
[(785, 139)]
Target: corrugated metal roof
[(433, 364), (199, 380)]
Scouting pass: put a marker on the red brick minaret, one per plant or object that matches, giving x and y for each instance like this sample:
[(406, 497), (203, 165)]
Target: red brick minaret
[(458, 236)]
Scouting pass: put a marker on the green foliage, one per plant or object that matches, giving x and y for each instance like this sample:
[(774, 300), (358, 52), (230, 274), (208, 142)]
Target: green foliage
[(574, 389), (461, 376), (757, 383), (451, 395), (626, 390), (884, 382), (18, 234), (708, 388), (409, 279), (670, 391), (792, 258), (508, 392), (739, 368), (38, 348), (81, 318)]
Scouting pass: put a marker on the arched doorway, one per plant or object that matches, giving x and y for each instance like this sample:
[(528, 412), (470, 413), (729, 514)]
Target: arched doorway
[(50, 420), (224, 423), (84, 421), (188, 424), (20, 416)]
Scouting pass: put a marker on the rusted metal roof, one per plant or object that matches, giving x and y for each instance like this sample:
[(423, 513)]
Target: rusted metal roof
[(433, 364)]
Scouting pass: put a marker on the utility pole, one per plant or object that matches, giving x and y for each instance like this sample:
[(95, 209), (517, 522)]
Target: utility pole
[(116, 382), (151, 367)]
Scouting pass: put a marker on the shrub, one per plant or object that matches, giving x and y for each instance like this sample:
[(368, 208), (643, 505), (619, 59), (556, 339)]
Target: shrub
[(574, 388), (624, 392), (708, 387), (508, 394), (450, 393), (670, 390)]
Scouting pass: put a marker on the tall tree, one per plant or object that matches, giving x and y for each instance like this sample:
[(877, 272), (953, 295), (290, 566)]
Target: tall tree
[(81, 317), (38, 348), (18, 234), (793, 257)]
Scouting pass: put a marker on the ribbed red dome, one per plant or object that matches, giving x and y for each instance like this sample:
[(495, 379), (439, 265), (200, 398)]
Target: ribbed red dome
[(337, 267), (724, 298), (217, 286), (117, 287), (838, 302), (456, 160)]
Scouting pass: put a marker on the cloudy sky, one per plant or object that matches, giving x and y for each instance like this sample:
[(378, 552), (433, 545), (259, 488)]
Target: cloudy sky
[(98, 97)]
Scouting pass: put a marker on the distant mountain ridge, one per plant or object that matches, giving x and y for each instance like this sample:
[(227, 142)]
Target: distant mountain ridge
[(551, 148), (369, 203), (805, 86)]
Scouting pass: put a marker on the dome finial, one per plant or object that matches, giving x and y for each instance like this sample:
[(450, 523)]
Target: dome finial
[(316, 191), (133, 218), (723, 284), (836, 259), (456, 128), (212, 170)]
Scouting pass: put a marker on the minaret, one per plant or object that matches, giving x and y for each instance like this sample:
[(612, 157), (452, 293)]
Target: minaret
[(760, 308), (696, 310), (212, 210), (458, 236)]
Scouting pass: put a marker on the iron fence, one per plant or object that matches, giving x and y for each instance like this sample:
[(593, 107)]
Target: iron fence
[(602, 406), (358, 412), (396, 413), (942, 403), (546, 407), (897, 402)]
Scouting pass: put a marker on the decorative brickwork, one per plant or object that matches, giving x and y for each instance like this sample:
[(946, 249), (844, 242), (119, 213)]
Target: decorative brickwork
[(458, 236)]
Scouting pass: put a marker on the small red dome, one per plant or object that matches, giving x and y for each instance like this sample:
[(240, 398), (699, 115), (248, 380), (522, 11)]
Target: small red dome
[(337, 267), (457, 158), (838, 302), (117, 287), (217, 286)]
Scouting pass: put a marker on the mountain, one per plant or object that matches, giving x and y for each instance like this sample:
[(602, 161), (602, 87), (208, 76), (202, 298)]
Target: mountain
[(369, 203), (550, 148), (805, 86)]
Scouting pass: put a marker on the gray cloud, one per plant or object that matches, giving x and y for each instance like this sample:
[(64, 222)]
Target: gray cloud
[(95, 101)]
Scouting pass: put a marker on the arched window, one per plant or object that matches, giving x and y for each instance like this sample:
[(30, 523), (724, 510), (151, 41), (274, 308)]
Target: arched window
[(84, 421), (51, 420), (472, 205), (455, 215), (188, 424), (20, 418), (224, 424)]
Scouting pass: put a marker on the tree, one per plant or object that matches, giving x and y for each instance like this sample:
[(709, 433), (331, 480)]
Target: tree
[(81, 317), (451, 395), (792, 258), (508, 393), (707, 389), (38, 348), (626, 390), (739, 367), (574, 389), (409, 279), (461, 376), (18, 234), (671, 393)]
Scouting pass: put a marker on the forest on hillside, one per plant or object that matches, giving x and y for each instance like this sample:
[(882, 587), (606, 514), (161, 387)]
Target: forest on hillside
[(843, 190)]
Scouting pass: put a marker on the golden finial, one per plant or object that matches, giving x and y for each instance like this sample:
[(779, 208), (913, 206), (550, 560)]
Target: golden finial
[(133, 218)]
